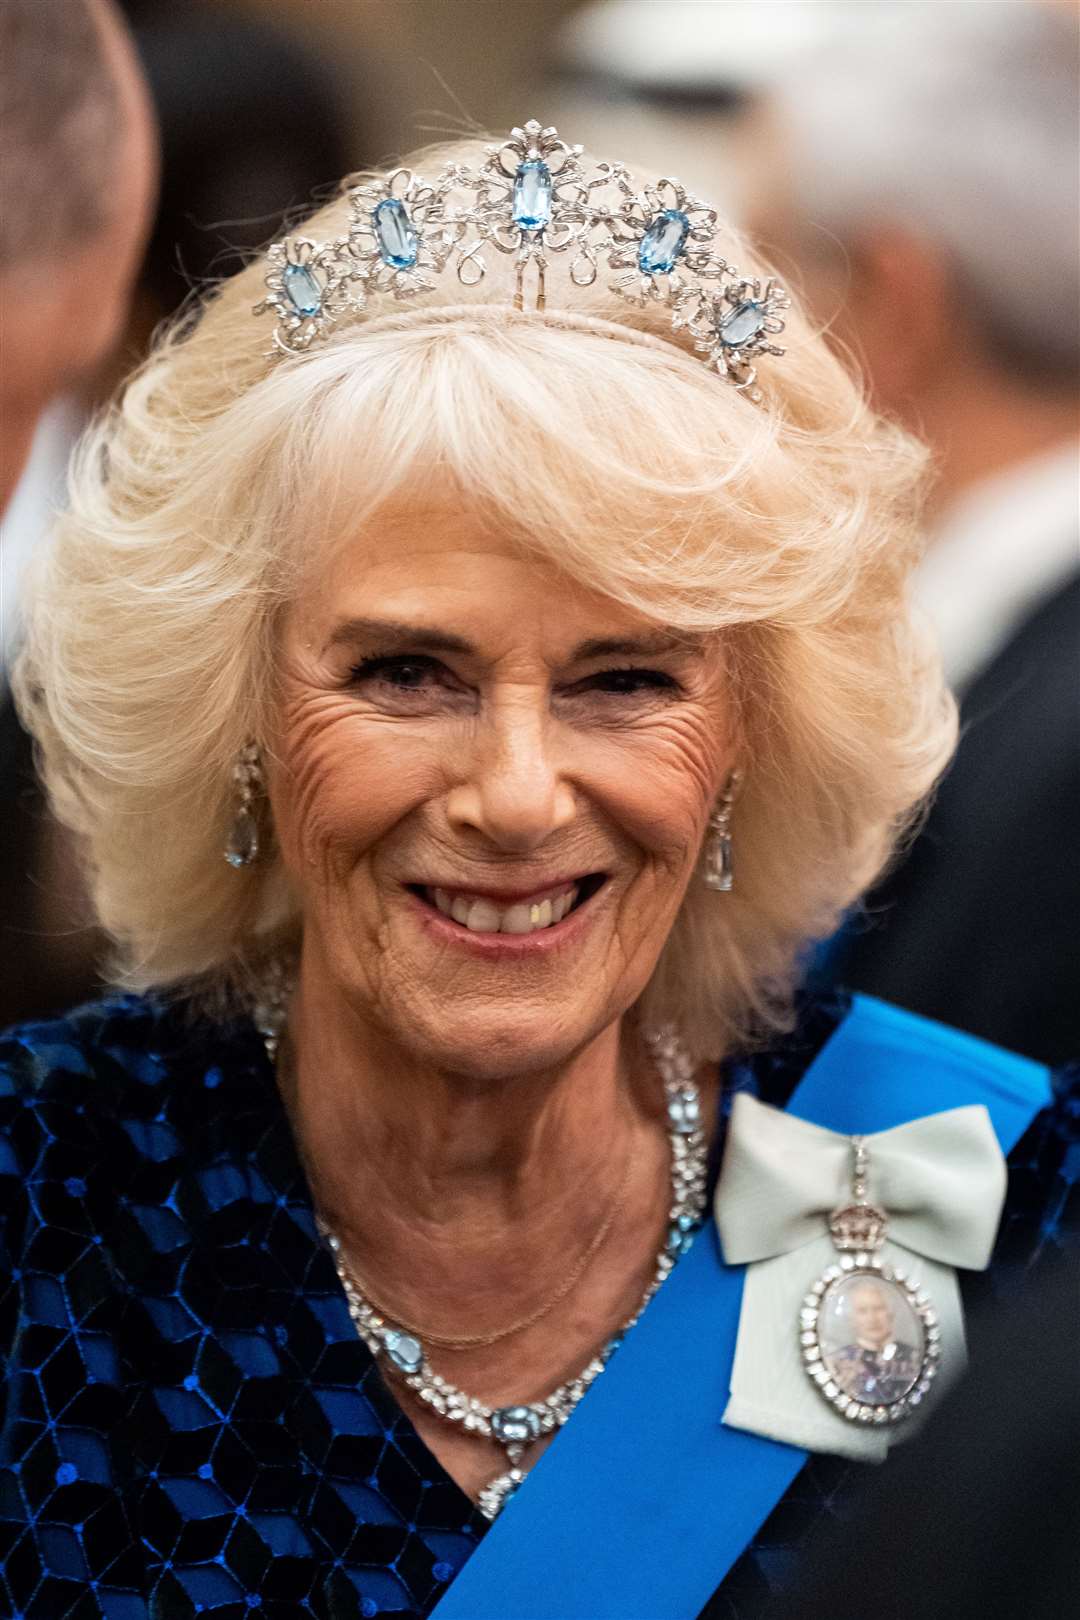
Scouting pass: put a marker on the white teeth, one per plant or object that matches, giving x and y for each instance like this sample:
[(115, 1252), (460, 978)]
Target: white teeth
[(481, 917), (516, 921)]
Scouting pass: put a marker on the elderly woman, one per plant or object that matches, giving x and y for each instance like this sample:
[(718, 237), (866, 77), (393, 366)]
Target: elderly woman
[(476, 673)]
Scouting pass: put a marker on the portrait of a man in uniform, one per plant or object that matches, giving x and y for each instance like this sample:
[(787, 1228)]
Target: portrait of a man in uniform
[(880, 1361)]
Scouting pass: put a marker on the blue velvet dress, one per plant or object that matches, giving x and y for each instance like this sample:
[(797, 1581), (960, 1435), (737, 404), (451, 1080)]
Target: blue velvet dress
[(191, 1425)]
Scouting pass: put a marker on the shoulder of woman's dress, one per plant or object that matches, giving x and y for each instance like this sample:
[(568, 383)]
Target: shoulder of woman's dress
[(99, 1052), (76, 1043)]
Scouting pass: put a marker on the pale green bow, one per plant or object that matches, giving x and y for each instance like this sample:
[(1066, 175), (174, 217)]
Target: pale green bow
[(941, 1181)]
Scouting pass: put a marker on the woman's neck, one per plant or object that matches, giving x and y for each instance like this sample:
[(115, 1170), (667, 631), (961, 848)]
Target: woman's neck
[(463, 1206), (461, 1203)]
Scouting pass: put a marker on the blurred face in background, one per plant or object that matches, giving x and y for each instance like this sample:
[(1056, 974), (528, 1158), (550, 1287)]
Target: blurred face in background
[(904, 278), (59, 320), (837, 281)]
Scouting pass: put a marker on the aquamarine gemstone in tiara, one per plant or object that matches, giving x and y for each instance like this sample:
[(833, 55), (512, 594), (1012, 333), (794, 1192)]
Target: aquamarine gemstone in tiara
[(532, 195), (663, 242), (744, 323), (399, 245), (302, 289), (535, 198)]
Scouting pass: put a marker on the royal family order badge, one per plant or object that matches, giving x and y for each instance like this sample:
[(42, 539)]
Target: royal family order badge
[(869, 1334)]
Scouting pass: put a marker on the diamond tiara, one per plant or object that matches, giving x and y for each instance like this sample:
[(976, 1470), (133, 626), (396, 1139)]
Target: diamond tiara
[(531, 198)]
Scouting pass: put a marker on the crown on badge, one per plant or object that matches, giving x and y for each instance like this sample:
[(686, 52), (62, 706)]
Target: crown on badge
[(858, 1226), (532, 199)]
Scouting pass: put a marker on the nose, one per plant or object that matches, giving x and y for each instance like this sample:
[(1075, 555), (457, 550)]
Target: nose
[(510, 787)]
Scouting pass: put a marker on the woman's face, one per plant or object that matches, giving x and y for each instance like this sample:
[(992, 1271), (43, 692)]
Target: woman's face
[(490, 787)]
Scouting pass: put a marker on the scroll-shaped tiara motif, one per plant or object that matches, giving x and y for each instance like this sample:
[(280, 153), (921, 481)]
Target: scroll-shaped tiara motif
[(530, 199)]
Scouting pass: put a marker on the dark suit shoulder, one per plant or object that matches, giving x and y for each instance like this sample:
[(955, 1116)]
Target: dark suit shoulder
[(1047, 633), (1031, 683), (977, 926)]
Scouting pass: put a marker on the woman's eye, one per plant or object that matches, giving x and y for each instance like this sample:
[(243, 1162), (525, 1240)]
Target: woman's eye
[(402, 672), (409, 683), (631, 682)]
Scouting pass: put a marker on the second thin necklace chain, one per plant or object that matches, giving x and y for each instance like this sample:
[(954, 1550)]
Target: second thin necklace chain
[(478, 1341), (517, 1427), (520, 1425)]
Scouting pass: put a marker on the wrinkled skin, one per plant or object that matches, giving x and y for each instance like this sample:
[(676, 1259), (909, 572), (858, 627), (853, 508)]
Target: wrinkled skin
[(469, 1106), (506, 766)]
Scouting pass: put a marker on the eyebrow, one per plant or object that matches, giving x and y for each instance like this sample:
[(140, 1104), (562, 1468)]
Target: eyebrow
[(425, 638), (394, 632), (646, 646)]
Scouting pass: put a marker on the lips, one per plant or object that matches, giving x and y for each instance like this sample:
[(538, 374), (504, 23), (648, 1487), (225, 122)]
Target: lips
[(529, 914)]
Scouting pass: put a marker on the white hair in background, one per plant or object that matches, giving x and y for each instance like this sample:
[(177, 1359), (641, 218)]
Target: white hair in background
[(960, 120)]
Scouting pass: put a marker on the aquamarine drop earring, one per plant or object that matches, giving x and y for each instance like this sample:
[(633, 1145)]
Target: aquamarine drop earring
[(719, 871), (242, 844)]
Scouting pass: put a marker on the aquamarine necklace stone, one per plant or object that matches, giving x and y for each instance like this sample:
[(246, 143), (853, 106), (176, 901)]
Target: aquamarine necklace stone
[(302, 289), (399, 244), (405, 1351), (663, 242), (745, 322), (532, 195), (519, 1425), (515, 1425)]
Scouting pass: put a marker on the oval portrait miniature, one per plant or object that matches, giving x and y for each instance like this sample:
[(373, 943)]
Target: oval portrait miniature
[(871, 1340)]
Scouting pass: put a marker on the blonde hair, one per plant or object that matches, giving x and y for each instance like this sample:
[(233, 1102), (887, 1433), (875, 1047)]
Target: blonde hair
[(786, 527)]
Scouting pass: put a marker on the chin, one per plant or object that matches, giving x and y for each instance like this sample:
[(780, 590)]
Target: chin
[(494, 1045)]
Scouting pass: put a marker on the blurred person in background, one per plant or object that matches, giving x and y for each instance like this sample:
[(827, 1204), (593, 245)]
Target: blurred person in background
[(249, 130), (922, 174), (927, 187), (77, 166)]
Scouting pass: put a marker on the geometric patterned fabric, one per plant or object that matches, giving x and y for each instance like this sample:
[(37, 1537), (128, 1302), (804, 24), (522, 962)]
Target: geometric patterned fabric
[(191, 1425)]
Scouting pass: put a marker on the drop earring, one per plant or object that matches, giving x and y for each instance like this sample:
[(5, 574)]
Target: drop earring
[(242, 844), (719, 867)]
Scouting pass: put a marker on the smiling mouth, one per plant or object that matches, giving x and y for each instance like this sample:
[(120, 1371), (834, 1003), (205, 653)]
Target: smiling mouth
[(479, 914)]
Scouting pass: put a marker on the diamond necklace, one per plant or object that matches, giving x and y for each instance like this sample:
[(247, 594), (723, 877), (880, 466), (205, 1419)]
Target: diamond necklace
[(519, 1425)]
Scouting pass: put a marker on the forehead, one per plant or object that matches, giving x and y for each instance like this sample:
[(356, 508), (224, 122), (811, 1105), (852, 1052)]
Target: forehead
[(439, 557)]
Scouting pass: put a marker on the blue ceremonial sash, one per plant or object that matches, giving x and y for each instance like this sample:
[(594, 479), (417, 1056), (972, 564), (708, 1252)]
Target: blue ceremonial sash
[(645, 1501)]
